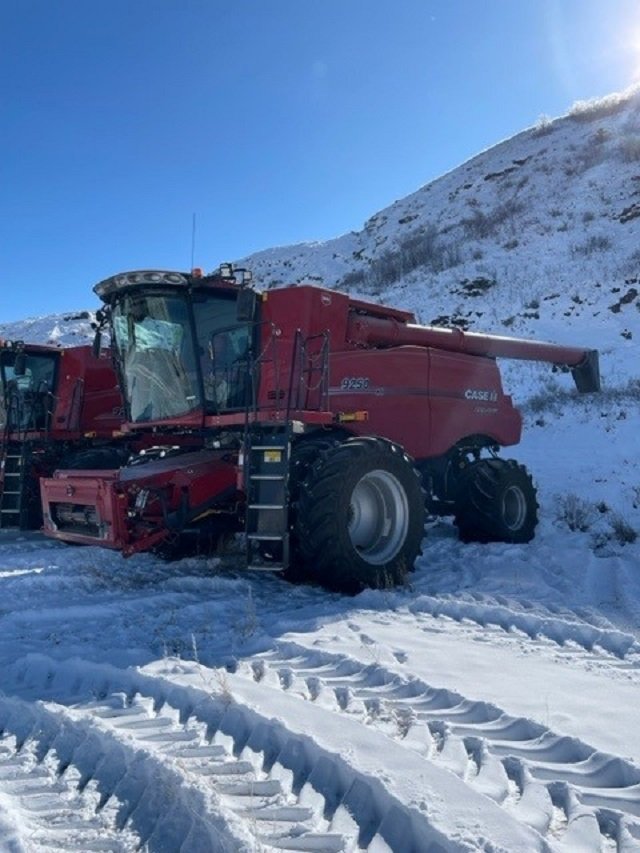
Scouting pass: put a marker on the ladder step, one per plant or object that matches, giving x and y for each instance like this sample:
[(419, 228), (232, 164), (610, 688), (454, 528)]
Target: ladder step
[(10, 511), (266, 506), (265, 567), (267, 447), (265, 537), (266, 477)]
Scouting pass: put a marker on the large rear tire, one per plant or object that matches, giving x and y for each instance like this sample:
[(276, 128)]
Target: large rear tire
[(361, 515), (498, 503), (305, 453)]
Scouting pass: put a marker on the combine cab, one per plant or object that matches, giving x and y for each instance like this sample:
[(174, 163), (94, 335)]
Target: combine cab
[(57, 407), (319, 424)]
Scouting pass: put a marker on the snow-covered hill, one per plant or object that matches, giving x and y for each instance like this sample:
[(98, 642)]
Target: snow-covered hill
[(64, 330), (491, 704), (538, 236)]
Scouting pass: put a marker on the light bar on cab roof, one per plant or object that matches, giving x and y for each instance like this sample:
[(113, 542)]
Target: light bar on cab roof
[(125, 280)]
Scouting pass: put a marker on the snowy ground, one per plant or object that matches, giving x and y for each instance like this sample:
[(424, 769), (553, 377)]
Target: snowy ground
[(492, 705)]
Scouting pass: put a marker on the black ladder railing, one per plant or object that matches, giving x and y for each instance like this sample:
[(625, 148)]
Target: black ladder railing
[(309, 375), (32, 411)]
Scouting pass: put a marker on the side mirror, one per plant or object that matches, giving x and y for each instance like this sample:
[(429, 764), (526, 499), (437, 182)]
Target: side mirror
[(102, 319), (246, 305), (97, 343)]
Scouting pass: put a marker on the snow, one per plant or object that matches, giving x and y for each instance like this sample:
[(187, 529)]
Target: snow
[(490, 704)]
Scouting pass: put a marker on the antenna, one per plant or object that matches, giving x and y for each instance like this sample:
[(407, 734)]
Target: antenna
[(193, 241)]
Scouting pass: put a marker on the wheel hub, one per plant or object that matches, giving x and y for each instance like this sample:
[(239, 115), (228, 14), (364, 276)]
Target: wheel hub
[(514, 508), (378, 517)]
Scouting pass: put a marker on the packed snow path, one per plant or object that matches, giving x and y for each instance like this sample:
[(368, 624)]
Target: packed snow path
[(188, 707)]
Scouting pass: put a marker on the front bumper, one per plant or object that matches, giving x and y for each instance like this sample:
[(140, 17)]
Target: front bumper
[(85, 507)]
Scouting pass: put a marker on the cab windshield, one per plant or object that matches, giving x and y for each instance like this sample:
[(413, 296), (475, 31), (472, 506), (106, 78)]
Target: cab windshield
[(167, 372), (26, 395), (157, 355)]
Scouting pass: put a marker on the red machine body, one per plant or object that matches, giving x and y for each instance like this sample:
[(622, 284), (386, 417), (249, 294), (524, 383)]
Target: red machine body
[(53, 402), (382, 364), (59, 393), (310, 364)]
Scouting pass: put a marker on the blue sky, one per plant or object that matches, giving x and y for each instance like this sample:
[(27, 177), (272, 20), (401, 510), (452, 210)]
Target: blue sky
[(273, 121)]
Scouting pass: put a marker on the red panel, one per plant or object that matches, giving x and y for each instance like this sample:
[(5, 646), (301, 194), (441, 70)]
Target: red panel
[(90, 489), (424, 399), (467, 399), (88, 398), (392, 386)]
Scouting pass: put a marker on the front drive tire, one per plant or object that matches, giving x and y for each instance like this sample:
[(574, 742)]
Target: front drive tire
[(498, 503), (361, 516)]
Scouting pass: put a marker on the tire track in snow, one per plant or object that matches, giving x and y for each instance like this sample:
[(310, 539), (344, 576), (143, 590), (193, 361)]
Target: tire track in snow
[(557, 630), (288, 792), (53, 813), (577, 797), (77, 787)]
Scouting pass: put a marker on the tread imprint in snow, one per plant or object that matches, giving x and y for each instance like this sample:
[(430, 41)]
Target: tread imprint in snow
[(576, 797), (284, 791)]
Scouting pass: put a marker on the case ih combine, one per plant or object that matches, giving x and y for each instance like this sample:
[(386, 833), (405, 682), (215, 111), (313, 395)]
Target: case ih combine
[(322, 425), (55, 404)]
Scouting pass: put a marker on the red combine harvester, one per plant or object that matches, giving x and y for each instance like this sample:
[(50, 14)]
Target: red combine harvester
[(57, 407), (321, 424)]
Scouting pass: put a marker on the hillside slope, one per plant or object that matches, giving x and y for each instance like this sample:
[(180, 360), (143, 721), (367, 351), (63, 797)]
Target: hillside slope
[(537, 236), (556, 206)]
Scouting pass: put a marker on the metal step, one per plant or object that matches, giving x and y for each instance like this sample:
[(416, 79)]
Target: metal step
[(266, 477), (265, 537), (265, 567), (266, 506)]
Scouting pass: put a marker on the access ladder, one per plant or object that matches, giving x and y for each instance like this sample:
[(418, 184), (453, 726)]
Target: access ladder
[(267, 457), (13, 509)]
